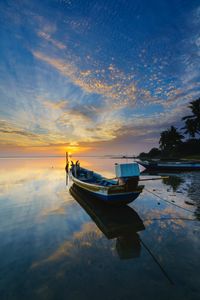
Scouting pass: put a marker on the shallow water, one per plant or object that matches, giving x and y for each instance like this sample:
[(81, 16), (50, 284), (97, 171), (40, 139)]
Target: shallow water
[(53, 248)]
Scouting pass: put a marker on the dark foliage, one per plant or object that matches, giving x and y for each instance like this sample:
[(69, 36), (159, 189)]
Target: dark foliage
[(192, 122), (171, 140)]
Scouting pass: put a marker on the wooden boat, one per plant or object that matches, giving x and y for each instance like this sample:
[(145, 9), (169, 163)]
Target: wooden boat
[(121, 223), (122, 190), (173, 166)]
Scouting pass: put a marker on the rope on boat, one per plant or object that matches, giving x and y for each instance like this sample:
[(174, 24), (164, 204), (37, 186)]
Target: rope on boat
[(186, 209), (157, 178), (168, 218)]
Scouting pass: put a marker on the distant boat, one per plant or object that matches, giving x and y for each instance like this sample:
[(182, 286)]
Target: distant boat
[(122, 190), (121, 223), (175, 166)]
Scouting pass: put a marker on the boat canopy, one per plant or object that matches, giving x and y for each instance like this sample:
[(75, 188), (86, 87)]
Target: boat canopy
[(127, 170)]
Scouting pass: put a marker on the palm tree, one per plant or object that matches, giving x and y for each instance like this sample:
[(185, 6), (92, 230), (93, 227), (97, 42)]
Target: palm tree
[(170, 139), (192, 122), (190, 127)]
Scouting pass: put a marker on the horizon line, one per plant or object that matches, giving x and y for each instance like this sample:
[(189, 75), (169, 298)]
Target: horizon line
[(46, 156)]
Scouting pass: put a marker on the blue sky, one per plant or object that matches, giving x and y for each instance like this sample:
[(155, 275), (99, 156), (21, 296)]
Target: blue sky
[(104, 76)]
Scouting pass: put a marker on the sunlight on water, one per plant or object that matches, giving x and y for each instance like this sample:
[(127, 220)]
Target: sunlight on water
[(54, 244)]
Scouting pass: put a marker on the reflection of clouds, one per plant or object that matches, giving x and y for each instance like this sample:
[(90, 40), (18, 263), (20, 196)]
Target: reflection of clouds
[(9, 185), (167, 217), (57, 207), (88, 237), (23, 184), (66, 252), (89, 254), (53, 211)]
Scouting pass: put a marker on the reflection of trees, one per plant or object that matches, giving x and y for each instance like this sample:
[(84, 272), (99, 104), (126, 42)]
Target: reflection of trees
[(173, 181), (194, 192)]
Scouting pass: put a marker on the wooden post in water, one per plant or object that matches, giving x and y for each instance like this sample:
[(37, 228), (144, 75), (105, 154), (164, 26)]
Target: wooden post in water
[(67, 158), (67, 168), (67, 162)]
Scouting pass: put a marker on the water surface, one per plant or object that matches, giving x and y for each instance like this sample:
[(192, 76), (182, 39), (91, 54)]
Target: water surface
[(53, 248)]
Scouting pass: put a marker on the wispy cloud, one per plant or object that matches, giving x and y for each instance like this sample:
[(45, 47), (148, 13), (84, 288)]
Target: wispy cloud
[(118, 87), (48, 38), (14, 135), (62, 104)]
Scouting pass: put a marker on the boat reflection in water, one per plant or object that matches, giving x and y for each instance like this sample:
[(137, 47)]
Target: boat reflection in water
[(122, 223)]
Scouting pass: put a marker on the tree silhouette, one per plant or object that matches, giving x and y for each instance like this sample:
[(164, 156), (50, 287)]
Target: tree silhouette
[(192, 122), (170, 139)]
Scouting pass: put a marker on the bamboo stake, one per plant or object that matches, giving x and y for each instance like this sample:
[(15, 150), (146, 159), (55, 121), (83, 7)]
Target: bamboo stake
[(159, 178)]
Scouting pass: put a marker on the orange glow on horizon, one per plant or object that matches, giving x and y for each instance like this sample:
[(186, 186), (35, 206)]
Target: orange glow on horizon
[(44, 150), (75, 149)]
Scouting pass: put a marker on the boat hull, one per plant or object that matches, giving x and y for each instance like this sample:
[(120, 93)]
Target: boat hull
[(178, 167), (112, 221), (119, 199), (110, 195)]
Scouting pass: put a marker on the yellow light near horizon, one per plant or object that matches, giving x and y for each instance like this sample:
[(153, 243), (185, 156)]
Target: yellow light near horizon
[(74, 149), (48, 150)]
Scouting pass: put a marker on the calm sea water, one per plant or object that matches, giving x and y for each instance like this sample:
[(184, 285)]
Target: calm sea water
[(53, 248)]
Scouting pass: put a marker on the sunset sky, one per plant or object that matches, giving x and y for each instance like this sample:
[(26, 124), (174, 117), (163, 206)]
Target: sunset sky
[(91, 76)]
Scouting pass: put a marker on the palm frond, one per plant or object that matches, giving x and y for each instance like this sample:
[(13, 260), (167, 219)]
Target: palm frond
[(187, 117)]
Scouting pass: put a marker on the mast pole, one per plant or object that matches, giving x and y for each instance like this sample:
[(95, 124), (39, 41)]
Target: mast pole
[(67, 162), (67, 158), (67, 168)]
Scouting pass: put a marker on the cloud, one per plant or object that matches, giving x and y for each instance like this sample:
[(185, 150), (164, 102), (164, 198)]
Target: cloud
[(139, 130), (62, 104), (59, 123), (119, 88), (84, 129), (48, 38), (196, 16), (7, 128), (80, 25), (12, 134)]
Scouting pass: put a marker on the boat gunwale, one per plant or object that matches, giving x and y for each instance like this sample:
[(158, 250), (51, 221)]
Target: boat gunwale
[(115, 193), (107, 188), (172, 165), (87, 183)]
